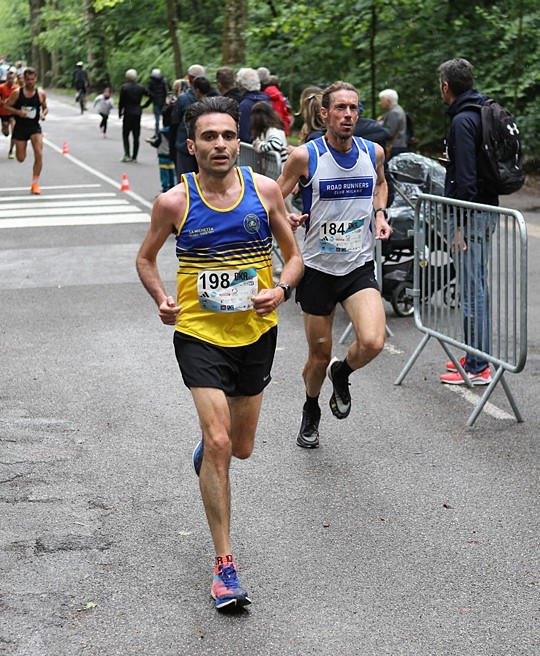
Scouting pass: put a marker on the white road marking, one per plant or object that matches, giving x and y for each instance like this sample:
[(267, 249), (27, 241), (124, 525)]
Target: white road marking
[(100, 175), (112, 207), (58, 207), (57, 221), (27, 188), (48, 197), (533, 230), (390, 348), (473, 399)]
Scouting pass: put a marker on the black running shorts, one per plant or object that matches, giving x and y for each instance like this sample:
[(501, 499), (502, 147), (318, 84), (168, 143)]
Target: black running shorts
[(22, 132), (318, 293), (238, 371)]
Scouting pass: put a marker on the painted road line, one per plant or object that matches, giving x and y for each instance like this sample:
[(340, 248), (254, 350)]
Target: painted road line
[(48, 197), (56, 221), (473, 399), (99, 175), (86, 210), (533, 230), (390, 348), (79, 186), (69, 211), (42, 207)]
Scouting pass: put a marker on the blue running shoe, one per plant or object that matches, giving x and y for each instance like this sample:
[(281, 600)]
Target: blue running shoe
[(226, 588), (198, 453)]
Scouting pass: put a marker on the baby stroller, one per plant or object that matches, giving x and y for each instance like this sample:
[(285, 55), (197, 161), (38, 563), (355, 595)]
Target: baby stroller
[(412, 174)]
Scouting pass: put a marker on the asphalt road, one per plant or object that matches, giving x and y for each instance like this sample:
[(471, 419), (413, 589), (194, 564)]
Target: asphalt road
[(405, 533)]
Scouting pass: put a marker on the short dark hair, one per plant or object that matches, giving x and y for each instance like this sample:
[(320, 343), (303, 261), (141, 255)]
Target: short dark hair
[(458, 73), (210, 105), (334, 88), (202, 84), (29, 71), (225, 77)]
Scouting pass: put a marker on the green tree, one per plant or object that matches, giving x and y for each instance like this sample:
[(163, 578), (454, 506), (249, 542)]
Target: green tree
[(372, 43)]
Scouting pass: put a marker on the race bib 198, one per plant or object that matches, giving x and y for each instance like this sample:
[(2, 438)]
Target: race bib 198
[(227, 291)]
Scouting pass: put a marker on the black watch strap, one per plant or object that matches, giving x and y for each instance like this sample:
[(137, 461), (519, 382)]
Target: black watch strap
[(286, 290), (383, 210)]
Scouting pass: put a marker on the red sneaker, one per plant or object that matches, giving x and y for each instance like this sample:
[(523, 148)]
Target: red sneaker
[(34, 189), (450, 366), (454, 378)]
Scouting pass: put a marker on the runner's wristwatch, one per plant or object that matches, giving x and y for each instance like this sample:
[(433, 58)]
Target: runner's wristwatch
[(383, 210), (286, 290)]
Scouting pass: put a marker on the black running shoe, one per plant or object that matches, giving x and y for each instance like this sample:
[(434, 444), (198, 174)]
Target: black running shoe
[(308, 436), (340, 401)]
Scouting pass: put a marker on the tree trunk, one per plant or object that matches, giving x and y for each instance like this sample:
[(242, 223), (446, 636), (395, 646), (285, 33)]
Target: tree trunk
[(234, 25), (35, 7), (172, 24), (373, 62)]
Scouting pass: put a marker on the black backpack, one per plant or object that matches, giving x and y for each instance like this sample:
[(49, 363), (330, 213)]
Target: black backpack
[(500, 161)]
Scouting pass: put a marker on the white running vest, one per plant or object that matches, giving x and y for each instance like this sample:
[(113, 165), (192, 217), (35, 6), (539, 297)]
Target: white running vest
[(338, 196)]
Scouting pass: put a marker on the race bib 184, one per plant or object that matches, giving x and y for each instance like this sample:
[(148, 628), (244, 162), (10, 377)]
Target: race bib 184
[(341, 236)]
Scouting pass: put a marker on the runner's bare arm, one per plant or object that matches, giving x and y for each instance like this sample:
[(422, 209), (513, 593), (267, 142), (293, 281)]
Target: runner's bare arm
[(12, 110), (268, 299), (44, 108), (382, 230), (296, 167), (166, 214)]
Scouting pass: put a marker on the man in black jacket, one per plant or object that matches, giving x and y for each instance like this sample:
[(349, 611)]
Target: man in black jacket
[(472, 240), (159, 88), (81, 83), (130, 109)]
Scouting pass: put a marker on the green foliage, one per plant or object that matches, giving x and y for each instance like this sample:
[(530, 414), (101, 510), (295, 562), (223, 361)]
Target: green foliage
[(372, 43), (15, 38)]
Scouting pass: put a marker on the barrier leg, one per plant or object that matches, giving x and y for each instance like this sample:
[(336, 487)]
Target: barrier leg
[(346, 333), (412, 359), (511, 400), (480, 406)]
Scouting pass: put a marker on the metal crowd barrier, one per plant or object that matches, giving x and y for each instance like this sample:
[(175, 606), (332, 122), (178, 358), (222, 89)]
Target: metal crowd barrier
[(442, 292), (268, 164)]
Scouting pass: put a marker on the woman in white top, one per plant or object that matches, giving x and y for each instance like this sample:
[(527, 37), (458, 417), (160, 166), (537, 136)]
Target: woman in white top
[(268, 131)]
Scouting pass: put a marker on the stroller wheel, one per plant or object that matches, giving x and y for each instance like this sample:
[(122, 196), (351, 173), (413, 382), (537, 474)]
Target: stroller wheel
[(402, 304), (450, 296)]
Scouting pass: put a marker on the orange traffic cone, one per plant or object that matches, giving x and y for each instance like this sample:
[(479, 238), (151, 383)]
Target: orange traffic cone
[(65, 149), (125, 184)]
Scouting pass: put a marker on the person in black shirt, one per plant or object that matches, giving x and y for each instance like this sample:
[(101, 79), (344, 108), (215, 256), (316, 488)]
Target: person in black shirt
[(130, 110), (158, 86)]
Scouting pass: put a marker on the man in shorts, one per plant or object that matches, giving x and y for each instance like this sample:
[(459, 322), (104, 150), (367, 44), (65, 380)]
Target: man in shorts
[(8, 120), (225, 311), (344, 194), (29, 106)]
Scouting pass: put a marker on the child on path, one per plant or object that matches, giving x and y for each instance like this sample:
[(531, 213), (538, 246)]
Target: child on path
[(104, 103)]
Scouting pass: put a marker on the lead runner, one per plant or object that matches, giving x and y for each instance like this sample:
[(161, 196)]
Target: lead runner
[(225, 311)]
